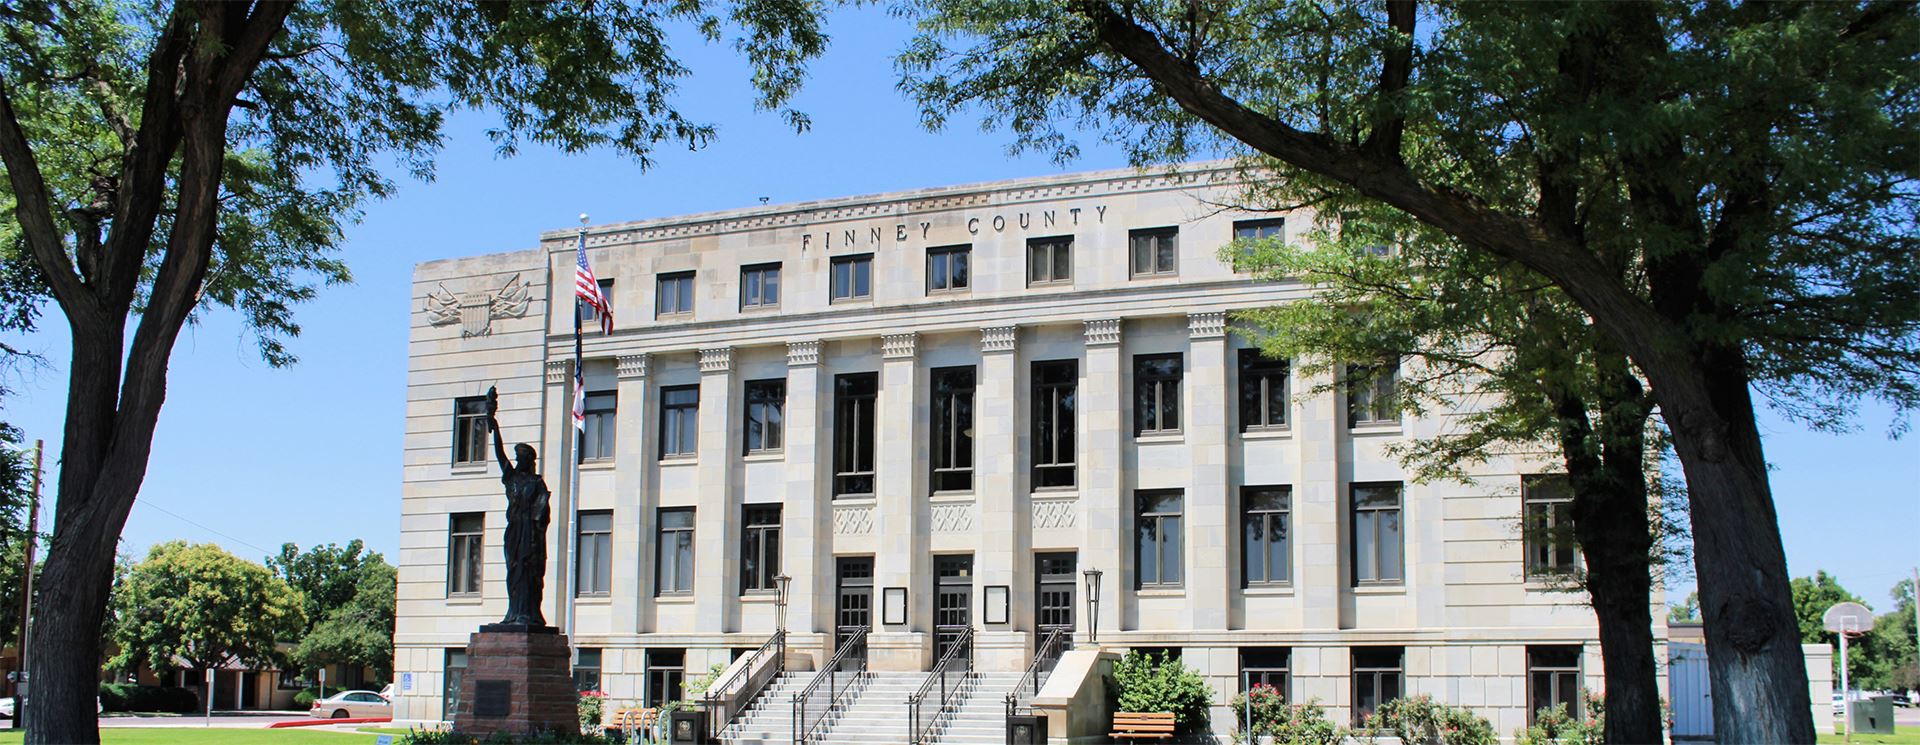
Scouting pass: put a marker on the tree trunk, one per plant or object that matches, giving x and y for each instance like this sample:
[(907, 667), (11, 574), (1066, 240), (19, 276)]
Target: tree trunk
[(1615, 542), (65, 659)]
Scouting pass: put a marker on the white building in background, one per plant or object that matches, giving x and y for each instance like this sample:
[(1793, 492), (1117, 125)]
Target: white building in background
[(966, 396)]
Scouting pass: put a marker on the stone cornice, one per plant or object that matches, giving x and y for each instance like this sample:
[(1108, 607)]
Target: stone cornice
[(716, 360), (633, 366), (999, 339), (1103, 332), (803, 353), (1207, 325), (899, 346), (557, 371)]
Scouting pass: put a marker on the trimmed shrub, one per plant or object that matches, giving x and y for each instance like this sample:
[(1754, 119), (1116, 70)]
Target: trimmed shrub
[(1294, 724), (1420, 720), (131, 697), (1143, 683), (305, 698)]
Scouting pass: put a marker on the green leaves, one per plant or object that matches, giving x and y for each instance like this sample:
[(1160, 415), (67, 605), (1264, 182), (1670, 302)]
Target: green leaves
[(199, 606), (349, 604), (1144, 682)]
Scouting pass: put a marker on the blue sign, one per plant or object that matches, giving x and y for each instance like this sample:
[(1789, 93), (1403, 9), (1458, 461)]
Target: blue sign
[(406, 681)]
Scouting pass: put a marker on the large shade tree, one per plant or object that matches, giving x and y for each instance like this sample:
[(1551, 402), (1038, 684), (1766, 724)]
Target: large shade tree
[(197, 606), (1762, 157), (349, 601), (166, 159)]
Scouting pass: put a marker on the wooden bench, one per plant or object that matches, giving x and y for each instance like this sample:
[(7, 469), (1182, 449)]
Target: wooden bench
[(1129, 725), (632, 725)]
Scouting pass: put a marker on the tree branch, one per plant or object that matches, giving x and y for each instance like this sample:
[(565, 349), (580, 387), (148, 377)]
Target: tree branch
[(32, 207), (1395, 70)]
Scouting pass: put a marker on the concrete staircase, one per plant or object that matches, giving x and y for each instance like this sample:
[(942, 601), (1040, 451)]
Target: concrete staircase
[(877, 713)]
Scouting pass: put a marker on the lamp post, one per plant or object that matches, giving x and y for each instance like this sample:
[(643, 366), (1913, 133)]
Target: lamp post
[(1093, 605), (26, 591), (781, 580)]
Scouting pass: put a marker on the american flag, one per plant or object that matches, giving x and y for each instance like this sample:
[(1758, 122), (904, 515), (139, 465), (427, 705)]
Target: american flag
[(586, 289)]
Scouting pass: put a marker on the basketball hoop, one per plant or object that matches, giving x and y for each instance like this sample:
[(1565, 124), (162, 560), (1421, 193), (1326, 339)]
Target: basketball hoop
[(1849, 619)]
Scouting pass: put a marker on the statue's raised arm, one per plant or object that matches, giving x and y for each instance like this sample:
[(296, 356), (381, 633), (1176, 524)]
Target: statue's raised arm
[(493, 425)]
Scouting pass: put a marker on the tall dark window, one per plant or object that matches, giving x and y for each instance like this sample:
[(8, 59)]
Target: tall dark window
[(1370, 394), (852, 277), (759, 547), (466, 535), (1054, 385), (586, 669), (455, 666), (589, 315), (673, 570), (953, 429), (949, 268), (674, 295), (1157, 558), (597, 442), (470, 429), (766, 428), (679, 421), (1376, 679), (1377, 546), (760, 286), (1267, 551), (1156, 393), (1155, 251), (1263, 391), (1553, 677), (1050, 260), (594, 575), (853, 400), (1264, 666), (666, 671), (1548, 535)]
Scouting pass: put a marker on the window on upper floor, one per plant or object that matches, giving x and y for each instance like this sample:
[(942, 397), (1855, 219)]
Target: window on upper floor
[(1054, 385), (852, 277), (765, 425), (1263, 391), (1050, 260), (470, 430), (1548, 525), (854, 396), (1156, 393), (1377, 679), (673, 565), (1155, 252), (589, 315), (952, 460), (759, 547), (1553, 678), (597, 442), (1377, 544), (1371, 394), (466, 536), (1267, 552), (674, 295), (1158, 538), (594, 569), (679, 421), (949, 269), (760, 286), (1253, 230)]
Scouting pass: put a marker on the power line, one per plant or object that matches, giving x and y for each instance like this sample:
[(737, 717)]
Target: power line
[(184, 519)]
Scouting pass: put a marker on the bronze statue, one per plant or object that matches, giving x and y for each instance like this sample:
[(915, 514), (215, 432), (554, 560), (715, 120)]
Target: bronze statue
[(527, 517)]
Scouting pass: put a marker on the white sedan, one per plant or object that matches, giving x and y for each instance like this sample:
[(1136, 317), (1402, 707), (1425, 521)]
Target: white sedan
[(352, 705)]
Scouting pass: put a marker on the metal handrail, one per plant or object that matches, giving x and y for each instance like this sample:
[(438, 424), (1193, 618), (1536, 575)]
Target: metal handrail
[(960, 652), (1045, 657), (730, 695), (804, 727)]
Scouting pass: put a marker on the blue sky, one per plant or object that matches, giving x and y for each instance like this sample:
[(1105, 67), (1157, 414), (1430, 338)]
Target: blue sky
[(250, 457)]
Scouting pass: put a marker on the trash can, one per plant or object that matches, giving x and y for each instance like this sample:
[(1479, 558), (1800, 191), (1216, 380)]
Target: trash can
[(1027, 729), (1873, 716)]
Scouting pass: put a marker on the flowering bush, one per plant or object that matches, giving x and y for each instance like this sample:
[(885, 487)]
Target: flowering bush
[(1143, 683), (591, 705), (1555, 726), (1301, 724), (1420, 720)]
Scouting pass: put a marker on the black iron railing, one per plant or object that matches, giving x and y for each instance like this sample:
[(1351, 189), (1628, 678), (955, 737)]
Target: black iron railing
[(813, 703), (733, 694), (951, 676), (1045, 657)]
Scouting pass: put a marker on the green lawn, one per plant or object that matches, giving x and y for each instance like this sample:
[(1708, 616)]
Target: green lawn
[(213, 736), (1900, 736)]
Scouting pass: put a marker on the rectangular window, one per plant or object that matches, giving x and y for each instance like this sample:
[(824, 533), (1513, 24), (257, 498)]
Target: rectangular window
[(1263, 391), (666, 670), (673, 569), (1376, 534), (675, 294), (455, 666), (1156, 252), (470, 429), (949, 268), (1253, 230), (589, 315), (679, 421), (1264, 666), (586, 670), (1267, 552), (766, 428), (1370, 394), (952, 429), (1054, 385), (1050, 260), (759, 547), (1376, 679), (1156, 393), (760, 286), (852, 277), (1548, 532), (1553, 677), (1157, 525), (597, 444), (854, 396), (466, 533), (594, 569)]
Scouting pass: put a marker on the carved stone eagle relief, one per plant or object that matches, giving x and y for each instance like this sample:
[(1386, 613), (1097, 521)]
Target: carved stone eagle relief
[(475, 310)]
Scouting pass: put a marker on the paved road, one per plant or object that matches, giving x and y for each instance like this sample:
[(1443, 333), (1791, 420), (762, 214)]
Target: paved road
[(238, 720)]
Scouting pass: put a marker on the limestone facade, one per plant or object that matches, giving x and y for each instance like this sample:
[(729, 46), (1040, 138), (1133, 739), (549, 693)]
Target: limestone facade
[(1461, 617)]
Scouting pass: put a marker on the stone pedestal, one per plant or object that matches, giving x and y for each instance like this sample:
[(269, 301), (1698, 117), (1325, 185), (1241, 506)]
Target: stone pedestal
[(519, 680)]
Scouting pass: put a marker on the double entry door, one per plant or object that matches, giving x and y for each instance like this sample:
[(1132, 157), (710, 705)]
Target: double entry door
[(952, 601)]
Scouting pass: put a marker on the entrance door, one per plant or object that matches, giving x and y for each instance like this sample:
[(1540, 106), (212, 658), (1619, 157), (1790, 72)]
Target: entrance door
[(1053, 594), (854, 608), (952, 601)]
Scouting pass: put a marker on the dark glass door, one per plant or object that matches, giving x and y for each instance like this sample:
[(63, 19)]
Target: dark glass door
[(952, 601), (1053, 594), (854, 608)]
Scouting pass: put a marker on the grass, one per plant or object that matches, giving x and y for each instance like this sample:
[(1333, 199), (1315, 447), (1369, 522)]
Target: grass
[(1900, 736), (213, 736), (385, 730)]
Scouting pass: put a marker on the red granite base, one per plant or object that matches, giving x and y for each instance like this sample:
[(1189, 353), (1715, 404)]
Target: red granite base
[(537, 672)]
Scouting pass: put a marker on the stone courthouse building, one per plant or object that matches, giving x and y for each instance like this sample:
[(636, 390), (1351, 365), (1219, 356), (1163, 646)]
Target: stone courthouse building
[(936, 410)]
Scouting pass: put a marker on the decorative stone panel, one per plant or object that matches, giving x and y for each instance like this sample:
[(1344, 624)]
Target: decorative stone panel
[(1054, 513), (1206, 325), (899, 346), (716, 360), (475, 310), (1103, 332), (999, 338), (803, 353), (852, 519), (952, 517), (557, 371), (633, 366)]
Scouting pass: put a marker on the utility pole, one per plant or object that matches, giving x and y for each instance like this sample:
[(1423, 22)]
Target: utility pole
[(26, 585)]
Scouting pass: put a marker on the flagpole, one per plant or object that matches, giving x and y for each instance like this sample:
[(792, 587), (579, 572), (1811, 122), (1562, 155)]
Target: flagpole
[(572, 536)]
